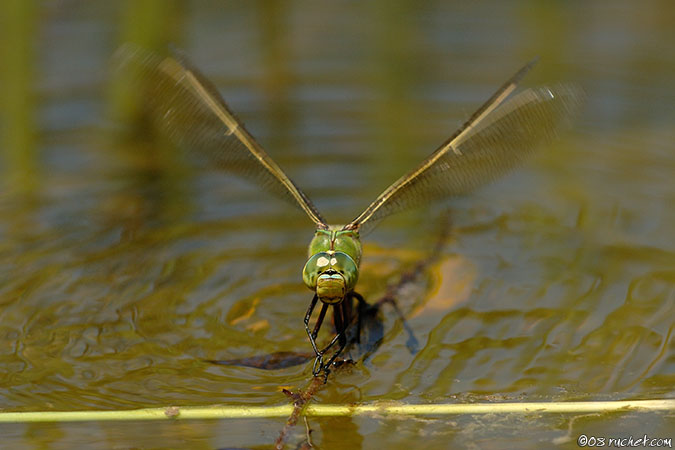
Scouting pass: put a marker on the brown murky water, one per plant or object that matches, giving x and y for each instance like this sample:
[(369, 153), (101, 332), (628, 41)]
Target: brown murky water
[(121, 270)]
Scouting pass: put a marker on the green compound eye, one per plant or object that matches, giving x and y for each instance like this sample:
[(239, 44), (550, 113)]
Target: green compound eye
[(337, 262), (343, 264), (312, 268)]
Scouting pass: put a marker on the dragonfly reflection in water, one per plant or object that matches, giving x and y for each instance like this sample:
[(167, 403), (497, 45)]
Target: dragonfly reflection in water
[(496, 138)]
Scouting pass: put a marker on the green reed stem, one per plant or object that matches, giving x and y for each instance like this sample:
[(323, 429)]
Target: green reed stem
[(385, 409)]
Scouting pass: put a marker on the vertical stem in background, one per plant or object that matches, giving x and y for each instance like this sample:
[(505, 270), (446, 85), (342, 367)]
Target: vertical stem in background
[(546, 29), (274, 50), (397, 65), (152, 24), (156, 169), (18, 19)]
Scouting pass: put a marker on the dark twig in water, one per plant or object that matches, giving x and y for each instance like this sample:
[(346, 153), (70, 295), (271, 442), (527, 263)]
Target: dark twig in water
[(411, 275), (302, 398)]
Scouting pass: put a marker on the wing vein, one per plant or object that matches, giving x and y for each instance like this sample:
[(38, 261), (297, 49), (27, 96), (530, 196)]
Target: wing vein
[(190, 109), (496, 137)]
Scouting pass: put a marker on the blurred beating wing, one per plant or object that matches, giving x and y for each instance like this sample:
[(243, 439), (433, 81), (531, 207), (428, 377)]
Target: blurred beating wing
[(192, 113), (494, 140)]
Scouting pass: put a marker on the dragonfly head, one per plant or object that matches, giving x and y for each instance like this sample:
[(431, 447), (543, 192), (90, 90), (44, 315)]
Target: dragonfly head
[(331, 275)]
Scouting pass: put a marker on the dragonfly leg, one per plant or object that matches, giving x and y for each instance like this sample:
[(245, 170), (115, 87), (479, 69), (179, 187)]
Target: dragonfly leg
[(342, 317), (312, 334), (359, 298), (318, 361), (341, 336), (319, 320), (318, 365), (360, 309), (308, 314), (347, 311)]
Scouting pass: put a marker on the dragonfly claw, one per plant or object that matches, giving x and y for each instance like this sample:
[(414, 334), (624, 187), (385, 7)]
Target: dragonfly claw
[(318, 365)]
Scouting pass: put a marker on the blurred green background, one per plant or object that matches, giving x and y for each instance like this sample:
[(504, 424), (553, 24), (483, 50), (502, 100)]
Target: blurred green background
[(122, 267)]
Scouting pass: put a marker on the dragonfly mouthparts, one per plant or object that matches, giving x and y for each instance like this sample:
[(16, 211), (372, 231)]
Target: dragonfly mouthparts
[(330, 287)]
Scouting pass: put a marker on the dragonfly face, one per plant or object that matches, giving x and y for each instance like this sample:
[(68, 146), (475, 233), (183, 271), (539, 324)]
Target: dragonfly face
[(333, 265), (495, 139)]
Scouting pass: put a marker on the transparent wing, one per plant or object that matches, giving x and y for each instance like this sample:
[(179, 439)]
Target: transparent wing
[(192, 113), (494, 140)]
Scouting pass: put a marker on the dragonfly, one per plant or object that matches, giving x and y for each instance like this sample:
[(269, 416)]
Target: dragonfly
[(503, 132)]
